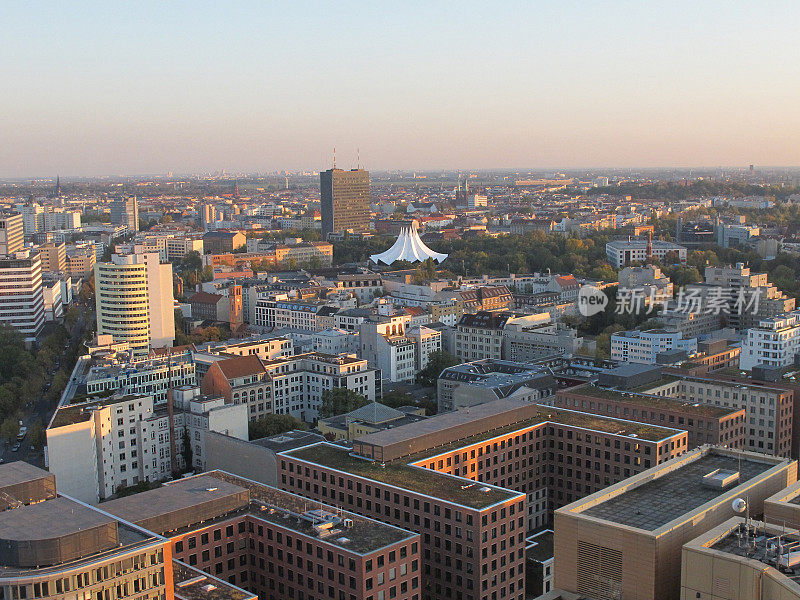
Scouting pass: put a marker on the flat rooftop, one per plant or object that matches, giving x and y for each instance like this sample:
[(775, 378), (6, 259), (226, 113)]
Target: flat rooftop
[(364, 536), (217, 496), (757, 549), (288, 440), (663, 380), (540, 546), (193, 584), (50, 519), (17, 472), (81, 409), (658, 501), (181, 495), (537, 414), (404, 476), (703, 410)]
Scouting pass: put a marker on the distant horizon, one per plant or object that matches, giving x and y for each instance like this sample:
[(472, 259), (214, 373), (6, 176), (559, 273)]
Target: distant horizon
[(94, 90), (232, 173)]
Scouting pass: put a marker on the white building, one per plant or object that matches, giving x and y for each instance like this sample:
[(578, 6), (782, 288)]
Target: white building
[(385, 345), (335, 341), (299, 381), (294, 314), (621, 253), (53, 302), (180, 245), (21, 294), (151, 376), (775, 342), (427, 340), (11, 233), (135, 302), (477, 201), (647, 282), (643, 346), (100, 446)]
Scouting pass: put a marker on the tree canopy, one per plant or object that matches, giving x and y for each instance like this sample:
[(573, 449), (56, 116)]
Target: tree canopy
[(438, 361), (338, 401), (273, 425)]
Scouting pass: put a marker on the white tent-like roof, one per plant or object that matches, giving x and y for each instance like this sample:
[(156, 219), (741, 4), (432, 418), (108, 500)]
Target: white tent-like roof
[(408, 246)]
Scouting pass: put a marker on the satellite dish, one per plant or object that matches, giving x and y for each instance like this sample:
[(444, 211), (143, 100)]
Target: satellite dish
[(739, 505)]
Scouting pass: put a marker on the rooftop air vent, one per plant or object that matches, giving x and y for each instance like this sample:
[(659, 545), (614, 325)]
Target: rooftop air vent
[(721, 478)]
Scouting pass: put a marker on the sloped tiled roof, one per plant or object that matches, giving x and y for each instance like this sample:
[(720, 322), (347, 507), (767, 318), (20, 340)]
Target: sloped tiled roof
[(566, 281), (205, 298), (241, 366)]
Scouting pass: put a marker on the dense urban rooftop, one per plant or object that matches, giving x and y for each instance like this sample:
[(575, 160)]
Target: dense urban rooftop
[(658, 501), (404, 476)]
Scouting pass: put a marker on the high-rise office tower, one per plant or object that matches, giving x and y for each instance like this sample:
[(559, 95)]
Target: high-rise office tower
[(21, 294), (11, 233), (125, 211), (134, 301), (344, 200)]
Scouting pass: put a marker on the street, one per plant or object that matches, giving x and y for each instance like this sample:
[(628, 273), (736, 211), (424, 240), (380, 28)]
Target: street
[(42, 410)]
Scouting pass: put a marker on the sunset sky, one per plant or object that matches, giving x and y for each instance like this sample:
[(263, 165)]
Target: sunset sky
[(107, 88)]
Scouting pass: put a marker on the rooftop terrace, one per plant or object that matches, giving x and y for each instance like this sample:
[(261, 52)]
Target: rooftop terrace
[(404, 476), (658, 501)]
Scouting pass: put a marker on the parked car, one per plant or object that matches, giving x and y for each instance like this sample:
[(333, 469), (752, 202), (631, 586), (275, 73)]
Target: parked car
[(15, 447)]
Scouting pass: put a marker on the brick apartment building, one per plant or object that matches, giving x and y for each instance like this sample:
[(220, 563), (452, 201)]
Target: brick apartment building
[(56, 547), (241, 380), (704, 423), (276, 544), (461, 480), (769, 406)]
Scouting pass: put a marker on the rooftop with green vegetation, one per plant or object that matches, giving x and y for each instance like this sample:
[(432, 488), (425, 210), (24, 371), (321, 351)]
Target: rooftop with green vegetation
[(402, 475), (661, 402), (663, 380), (548, 414)]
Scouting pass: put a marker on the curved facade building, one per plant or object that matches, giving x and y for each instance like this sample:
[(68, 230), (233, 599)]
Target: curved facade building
[(134, 301)]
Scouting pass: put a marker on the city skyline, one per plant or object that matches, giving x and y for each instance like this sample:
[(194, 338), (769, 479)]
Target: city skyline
[(159, 88)]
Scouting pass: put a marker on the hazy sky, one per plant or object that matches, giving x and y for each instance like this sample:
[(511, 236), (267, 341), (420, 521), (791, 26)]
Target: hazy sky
[(149, 87)]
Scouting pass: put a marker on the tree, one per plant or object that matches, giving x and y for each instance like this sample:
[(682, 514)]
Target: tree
[(396, 399), (87, 289), (273, 425), (438, 361), (36, 435), (338, 401), (9, 429), (425, 271), (191, 261), (71, 317), (186, 451), (604, 272)]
